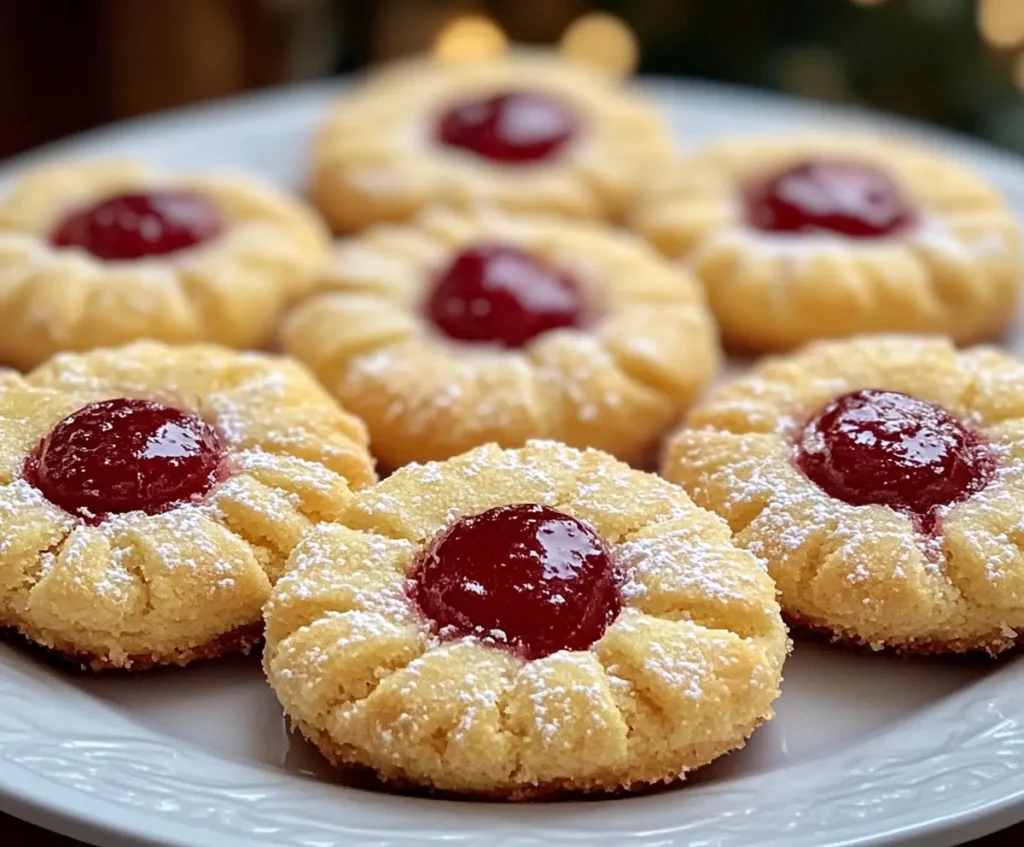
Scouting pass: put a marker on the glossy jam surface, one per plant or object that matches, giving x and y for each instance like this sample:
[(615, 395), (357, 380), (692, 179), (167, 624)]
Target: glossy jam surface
[(894, 450), (510, 127), (133, 226), (126, 455), (526, 576), (497, 294), (821, 195)]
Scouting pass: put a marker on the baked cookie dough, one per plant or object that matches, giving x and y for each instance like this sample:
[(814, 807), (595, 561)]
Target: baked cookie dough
[(527, 132), (816, 236), (150, 495), (881, 479), (100, 253), (523, 623), (469, 328)]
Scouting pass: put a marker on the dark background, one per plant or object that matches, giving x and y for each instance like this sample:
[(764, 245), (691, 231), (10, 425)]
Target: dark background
[(67, 65)]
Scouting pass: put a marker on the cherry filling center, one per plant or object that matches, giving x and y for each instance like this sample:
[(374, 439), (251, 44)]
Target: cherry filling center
[(524, 575), (498, 294), (132, 226), (850, 198), (511, 127), (891, 449), (123, 456)]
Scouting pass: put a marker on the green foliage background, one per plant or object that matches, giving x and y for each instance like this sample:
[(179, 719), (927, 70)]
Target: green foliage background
[(922, 58)]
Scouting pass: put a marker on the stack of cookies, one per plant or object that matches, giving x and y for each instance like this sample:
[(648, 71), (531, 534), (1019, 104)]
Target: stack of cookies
[(517, 325)]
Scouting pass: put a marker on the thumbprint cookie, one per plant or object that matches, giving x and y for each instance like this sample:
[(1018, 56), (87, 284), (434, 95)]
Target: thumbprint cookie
[(881, 478), (466, 329), (806, 237), (104, 253), (523, 623), (528, 132), (150, 495)]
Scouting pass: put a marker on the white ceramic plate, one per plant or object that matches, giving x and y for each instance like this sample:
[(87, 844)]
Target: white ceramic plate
[(865, 750)]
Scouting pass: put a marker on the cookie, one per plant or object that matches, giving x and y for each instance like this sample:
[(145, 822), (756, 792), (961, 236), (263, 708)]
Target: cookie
[(528, 132), (150, 495), (469, 328), (104, 253), (881, 478), (814, 236), (524, 623)]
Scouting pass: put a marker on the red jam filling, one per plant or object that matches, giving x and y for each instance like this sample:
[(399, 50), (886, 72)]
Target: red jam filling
[(126, 455), (890, 449), (511, 127), (497, 294), (523, 575), (132, 226), (824, 195)]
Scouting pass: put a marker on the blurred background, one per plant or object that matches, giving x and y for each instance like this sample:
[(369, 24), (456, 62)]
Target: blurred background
[(68, 65)]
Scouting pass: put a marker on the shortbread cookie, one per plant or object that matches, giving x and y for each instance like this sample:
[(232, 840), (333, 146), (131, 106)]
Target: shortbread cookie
[(150, 495), (805, 237), (103, 253), (466, 329), (525, 623), (528, 132), (882, 479)]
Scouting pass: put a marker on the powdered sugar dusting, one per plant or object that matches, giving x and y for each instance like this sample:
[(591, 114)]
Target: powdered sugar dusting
[(303, 473), (620, 501), (259, 399), (566, 689), (181, 539), (537, 473), (780, 514), (273, 506), (430, 388), (117, 583), (322, 567), (681, 665), (22, 508), (364, 626), (682, 560), (455, 679)]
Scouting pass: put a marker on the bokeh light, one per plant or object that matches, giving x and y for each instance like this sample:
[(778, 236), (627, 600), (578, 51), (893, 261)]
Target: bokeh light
[(469, 39), (1001, 22), (602, 41)]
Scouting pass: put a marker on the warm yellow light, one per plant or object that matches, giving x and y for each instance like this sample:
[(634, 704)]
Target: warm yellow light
[(602, 41), (470, 39), (1001, 22)]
